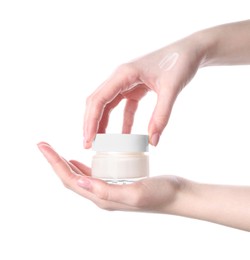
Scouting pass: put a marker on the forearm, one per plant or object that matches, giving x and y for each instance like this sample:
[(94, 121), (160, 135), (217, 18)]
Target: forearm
[(226, 205), (227, 44)]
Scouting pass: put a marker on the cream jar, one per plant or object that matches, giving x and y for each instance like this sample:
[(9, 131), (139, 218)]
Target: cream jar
[(120, 158)]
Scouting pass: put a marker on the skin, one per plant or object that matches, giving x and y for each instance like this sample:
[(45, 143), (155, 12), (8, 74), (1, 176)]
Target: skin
[(226, 205), (227, 44), (222, 45)]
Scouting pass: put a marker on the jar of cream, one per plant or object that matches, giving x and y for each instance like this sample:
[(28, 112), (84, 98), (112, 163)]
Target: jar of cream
[(120, 158)]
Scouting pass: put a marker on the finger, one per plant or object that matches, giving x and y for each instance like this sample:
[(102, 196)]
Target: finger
[(99, 199), (80, 166), (60, 165), (74, 168), (133, 97), (129, 114), (70, 179), (62, 169), (125, 76), (161, 114), (41, 143), (129, 195), (83, 170), (110, 205), (106, 113)]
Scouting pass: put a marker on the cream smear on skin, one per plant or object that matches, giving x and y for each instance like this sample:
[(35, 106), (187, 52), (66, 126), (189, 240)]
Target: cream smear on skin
[(168, 62)]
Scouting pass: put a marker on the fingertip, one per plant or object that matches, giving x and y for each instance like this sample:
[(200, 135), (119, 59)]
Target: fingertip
[(88, 140), (47, 150), (42, 143), (87, 144), (154, 139), (42, 147)]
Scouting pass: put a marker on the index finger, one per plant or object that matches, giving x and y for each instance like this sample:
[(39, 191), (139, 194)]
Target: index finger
[(121, 80)]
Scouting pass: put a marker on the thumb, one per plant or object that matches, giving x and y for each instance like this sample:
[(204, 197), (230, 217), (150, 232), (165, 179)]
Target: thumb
[(165, 100)]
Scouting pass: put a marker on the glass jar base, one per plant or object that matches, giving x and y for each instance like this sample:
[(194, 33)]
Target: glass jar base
[(122, 181)]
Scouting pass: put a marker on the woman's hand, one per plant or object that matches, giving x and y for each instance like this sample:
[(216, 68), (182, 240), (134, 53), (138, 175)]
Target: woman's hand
[(226, 205), (166, 71), (157, 194)]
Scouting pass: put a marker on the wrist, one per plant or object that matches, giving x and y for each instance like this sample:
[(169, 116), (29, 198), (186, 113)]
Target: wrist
[(226, 44), (206, 42), (186, 202), (183, 195)]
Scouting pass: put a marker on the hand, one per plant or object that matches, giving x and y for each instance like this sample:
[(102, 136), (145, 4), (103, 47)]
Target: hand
[(155, 194), (226, 205), (166, 72)]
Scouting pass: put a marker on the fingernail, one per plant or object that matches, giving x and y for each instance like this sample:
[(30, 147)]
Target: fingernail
[(43, 143), (154, 139), (87, 144), (40, 146), (85, 137), (84, 183)]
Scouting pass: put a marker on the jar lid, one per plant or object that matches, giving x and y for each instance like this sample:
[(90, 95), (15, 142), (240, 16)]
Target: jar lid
[(120, 143)]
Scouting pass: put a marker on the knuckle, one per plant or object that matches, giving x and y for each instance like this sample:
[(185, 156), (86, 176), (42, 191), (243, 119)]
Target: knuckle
[(68, 180), (127, 69), (89, 100), (105, 206), (161, 121), (96, 101), (103, 195), (66, 184)]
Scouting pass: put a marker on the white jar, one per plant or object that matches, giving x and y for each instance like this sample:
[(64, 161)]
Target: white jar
[(120, 157)]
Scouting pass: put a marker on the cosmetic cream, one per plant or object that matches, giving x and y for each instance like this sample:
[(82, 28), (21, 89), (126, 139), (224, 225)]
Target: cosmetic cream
[(120, 158)]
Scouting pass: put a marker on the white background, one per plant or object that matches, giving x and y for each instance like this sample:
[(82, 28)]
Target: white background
[(53, 54)]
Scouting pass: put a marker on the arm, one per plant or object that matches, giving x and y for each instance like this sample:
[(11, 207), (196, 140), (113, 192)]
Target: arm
[(166, 72), (225, 205), (221, 204), (227, 44)]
